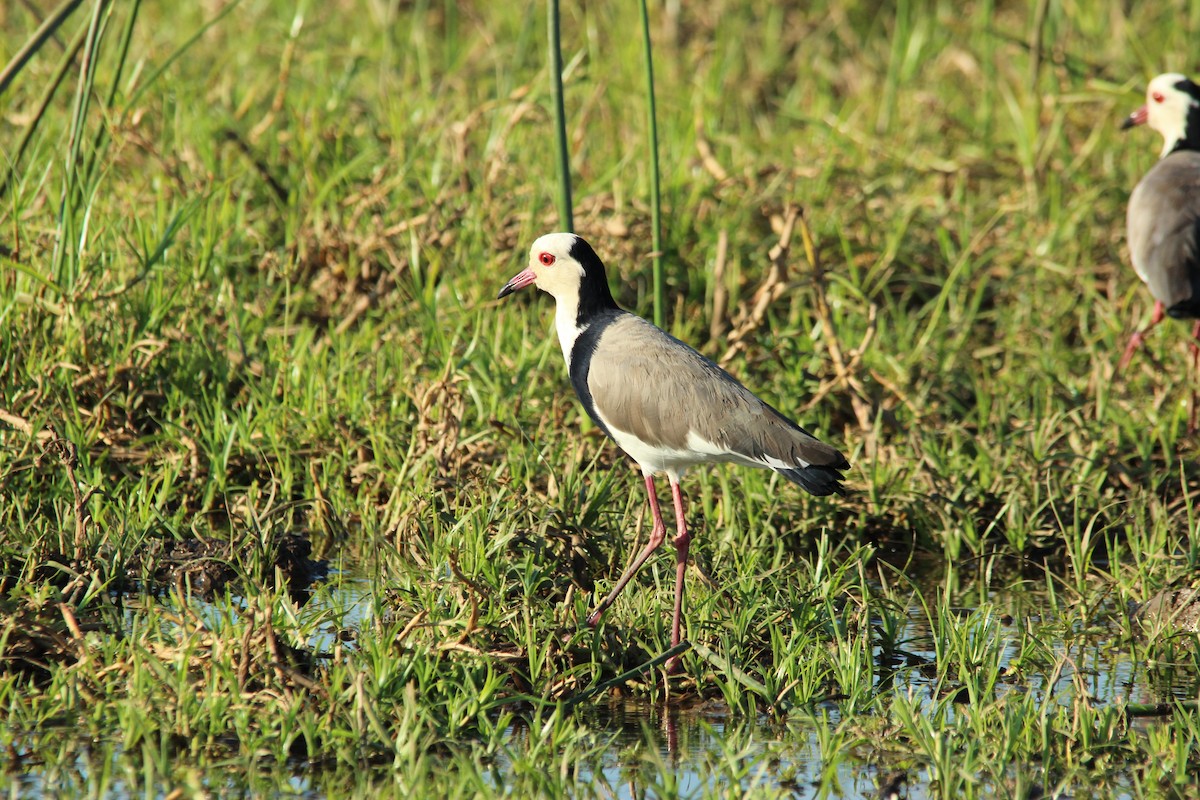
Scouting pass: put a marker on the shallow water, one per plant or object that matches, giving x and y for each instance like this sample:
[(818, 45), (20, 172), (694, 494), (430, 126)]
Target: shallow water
[(676, 751), (645, 740), (688, 741)]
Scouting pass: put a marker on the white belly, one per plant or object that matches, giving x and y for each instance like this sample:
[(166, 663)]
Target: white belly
[(655, 459)]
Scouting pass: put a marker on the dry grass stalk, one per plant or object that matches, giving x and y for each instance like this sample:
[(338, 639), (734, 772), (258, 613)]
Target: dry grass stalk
[(720, 295), (749, 319), (845, 368)]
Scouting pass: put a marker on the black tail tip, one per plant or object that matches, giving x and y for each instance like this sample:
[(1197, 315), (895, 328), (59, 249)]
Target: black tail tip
[(820, 481)]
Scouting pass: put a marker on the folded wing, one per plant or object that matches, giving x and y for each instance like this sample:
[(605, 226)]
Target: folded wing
[(646, 383)]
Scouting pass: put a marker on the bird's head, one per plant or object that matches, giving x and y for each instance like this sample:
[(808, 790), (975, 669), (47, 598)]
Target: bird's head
[(554, 266), (1171, 101), (566, 267)]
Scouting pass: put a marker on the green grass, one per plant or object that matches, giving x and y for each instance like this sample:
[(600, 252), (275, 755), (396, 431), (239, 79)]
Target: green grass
[(247, 268)]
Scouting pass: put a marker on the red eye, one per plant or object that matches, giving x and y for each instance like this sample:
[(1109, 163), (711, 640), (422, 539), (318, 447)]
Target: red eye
[(1157, 97), (546, 259)]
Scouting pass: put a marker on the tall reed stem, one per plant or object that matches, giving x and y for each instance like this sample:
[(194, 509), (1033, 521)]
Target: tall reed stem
[(655, 194), (560, 122)]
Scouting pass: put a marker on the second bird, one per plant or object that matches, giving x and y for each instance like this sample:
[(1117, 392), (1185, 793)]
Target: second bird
[(1163, 219), (663, 403)]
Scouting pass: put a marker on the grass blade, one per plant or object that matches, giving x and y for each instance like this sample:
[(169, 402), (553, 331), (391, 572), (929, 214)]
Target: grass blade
[(71, 190), (724, 665), (48, 95), (39, 38), (101, 139)]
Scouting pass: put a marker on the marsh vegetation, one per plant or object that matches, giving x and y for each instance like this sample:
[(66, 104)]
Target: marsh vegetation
[(289, 504)]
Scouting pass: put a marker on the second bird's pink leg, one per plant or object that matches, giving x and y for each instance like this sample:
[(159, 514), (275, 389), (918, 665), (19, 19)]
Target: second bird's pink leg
[(682, 542), (1195, 376), (657, 534), (1138, 337)]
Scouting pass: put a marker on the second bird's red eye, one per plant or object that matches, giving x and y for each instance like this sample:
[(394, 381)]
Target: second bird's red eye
[(546, 259), (1157, 97)]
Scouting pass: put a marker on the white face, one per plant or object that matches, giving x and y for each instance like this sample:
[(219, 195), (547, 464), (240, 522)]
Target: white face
[(1167, 108), (551, 269), (556, 273)]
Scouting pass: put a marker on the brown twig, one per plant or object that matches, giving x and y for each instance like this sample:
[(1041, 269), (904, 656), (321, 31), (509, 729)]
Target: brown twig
[(710, 162), (243, 669), (68, 455), (846, 372), (412, 625), (844, 369), (515, 655), (277, 657), (320, 502), (474, 592), (72, 624), (294, 675), (26, 427)]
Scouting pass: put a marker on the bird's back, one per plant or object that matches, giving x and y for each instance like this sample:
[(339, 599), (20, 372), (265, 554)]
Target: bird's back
[(1163, 223)]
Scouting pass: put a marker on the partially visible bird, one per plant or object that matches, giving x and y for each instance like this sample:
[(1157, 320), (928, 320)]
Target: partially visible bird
[(663, 403), (1163, 219)]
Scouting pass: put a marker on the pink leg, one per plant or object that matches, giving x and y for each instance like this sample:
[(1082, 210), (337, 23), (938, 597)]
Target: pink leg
[(657, 535), (1195, 376), (1138, 337), (682, 541)]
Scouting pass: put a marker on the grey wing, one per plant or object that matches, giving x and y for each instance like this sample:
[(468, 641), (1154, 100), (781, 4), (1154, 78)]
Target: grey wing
[(650, 384), (1164, 229), (755, 430)]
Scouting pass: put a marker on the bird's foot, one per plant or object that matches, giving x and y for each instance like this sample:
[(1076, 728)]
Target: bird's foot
[(594, 618)]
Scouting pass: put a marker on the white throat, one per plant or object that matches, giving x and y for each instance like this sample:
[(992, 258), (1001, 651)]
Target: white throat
[(566, 315), (1170, 140)]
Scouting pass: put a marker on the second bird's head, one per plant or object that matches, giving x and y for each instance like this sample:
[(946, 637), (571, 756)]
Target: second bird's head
[(558, 265), (1172, 106)]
